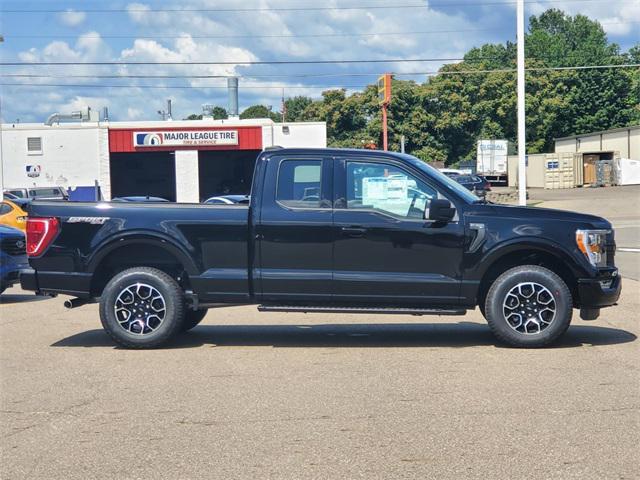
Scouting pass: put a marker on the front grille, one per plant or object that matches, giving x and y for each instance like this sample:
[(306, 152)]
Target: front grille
[(14, 246), (610, 249)]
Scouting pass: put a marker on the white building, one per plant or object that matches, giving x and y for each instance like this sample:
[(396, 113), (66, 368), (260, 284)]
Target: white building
[(184, 161), (618, 142)]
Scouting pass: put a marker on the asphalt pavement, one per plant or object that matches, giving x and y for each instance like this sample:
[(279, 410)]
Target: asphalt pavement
[(317, 396)]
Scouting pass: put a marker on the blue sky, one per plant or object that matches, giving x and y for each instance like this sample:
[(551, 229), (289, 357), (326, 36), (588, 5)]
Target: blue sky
[(140, 32)]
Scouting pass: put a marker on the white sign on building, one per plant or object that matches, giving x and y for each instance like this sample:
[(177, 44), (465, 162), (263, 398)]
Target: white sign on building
[(184, 138)]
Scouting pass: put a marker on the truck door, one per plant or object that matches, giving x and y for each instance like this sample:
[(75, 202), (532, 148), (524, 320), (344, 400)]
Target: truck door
[(385, 252), (294, 231)]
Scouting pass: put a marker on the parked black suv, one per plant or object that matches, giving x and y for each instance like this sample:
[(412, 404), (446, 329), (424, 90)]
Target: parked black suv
[(474, 183), (326, 231)]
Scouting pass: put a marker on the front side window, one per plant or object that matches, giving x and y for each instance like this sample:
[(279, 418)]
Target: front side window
[(387, 189), (299, 183)]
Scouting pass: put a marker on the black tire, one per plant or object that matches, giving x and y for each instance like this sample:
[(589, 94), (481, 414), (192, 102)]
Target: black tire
[(192, 318), (151, 328), (537, 326)]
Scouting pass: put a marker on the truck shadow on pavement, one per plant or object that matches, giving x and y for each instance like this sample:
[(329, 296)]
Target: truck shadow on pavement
[(464, 334), (9, 298)]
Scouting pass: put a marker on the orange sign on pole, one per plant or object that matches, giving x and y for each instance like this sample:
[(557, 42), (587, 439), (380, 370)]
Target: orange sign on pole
[(384, 96)]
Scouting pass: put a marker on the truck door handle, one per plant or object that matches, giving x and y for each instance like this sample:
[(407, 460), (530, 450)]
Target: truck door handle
[(355, 232)]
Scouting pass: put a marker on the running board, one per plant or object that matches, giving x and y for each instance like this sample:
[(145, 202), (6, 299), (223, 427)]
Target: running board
[(338, 309)]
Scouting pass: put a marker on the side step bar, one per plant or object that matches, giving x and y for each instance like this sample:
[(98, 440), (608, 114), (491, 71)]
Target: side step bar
[(339, 309)]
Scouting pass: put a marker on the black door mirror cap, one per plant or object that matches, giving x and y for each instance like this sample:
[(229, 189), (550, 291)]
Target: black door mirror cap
[(440, 210)]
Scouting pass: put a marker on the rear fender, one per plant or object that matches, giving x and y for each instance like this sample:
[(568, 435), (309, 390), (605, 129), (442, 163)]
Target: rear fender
[(146, 238)]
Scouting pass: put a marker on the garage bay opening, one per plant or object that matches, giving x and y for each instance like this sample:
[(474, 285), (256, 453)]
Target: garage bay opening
[(225, 172), (150, 174)]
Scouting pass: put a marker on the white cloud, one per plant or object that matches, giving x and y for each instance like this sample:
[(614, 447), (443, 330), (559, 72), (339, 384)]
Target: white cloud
[(265, 35), (80, 102), (134, 113), (618, 18), (144, 15), (72, 18), (184, 50)]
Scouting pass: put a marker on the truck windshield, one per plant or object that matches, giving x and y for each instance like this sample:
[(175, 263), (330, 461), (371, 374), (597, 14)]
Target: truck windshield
[(443, 179)]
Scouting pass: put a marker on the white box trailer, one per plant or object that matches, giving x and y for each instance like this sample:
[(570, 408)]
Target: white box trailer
[(492, 160), (628, 171)]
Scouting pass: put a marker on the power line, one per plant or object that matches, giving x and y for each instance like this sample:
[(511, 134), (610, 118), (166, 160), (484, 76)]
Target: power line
[(316, 75), (276, 62), (240, 62), (272, 62), (316, 35), (185, 87), (295, 9), (306, 87), (313, 35)]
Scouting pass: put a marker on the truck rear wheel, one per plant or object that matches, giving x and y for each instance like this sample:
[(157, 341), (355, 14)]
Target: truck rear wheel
[(528, 306), (142, 307), (192, 318)]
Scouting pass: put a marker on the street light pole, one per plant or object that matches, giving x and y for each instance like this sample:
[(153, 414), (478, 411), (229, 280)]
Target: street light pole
[(522, 145)]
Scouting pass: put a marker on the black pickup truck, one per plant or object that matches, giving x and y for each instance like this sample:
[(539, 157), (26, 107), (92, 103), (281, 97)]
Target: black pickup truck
[(326, 230)]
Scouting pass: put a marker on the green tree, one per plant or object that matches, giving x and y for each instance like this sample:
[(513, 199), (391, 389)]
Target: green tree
[(444, 117), (295, 108), (259, 111), (219, 113)]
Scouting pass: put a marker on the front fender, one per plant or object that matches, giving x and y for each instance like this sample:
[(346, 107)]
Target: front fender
[(528, 244)]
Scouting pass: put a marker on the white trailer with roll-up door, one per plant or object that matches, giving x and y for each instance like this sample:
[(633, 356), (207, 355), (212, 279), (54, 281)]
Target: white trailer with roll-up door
[(492, 160)]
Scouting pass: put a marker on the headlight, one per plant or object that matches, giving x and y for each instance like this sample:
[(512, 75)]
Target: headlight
[(592, 244)]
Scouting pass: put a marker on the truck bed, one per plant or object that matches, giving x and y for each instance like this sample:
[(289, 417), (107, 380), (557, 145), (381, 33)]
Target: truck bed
[(196, 237)]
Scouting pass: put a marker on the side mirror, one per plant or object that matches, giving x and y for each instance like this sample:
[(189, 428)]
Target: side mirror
[(440, 210)]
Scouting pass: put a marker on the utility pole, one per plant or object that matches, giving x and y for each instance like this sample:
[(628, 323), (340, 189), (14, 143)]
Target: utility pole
[(284, 108), (522, 139), (166, 114), (384, 96)]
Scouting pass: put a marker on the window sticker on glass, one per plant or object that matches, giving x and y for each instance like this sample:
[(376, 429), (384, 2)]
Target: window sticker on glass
[(386, 189), (374, 188), (397, 187)]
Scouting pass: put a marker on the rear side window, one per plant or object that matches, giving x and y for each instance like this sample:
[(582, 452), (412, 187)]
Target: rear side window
[(17, 193), (5, 208), (299, 183), (44, 192)]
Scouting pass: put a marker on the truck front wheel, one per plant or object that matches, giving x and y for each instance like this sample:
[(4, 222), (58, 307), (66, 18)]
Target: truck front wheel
[(142, 307), (528, 306)]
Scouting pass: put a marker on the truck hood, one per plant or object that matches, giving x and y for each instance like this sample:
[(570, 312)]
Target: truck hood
[(581, 220)]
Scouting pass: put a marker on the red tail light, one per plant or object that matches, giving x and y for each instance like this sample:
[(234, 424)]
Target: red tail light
[(40, 233)]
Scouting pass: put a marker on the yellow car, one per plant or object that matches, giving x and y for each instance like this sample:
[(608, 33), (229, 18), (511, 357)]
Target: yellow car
[(12, 215)]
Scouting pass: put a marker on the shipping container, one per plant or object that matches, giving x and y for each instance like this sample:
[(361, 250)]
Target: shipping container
[(548, 170)]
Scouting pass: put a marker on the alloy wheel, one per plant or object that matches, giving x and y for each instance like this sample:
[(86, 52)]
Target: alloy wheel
[(529, 308), (140, 309)]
